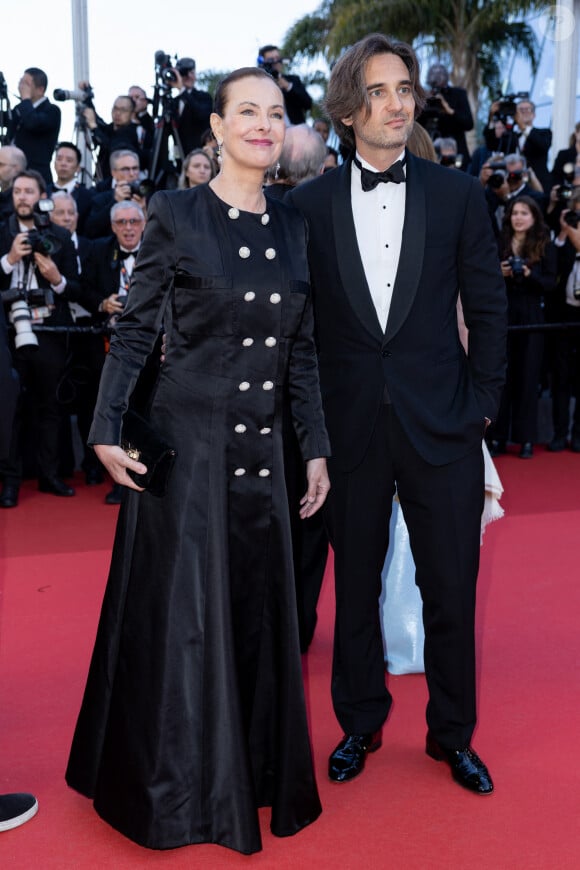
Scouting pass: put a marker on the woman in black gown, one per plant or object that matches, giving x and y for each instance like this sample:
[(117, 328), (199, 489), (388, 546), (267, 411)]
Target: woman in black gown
[(194, 715)]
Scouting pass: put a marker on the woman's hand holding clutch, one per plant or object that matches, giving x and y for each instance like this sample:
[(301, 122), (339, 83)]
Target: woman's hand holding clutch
[(116, 461)]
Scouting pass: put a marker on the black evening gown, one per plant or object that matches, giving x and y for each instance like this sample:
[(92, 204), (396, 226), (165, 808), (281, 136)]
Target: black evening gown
[(194, 714)]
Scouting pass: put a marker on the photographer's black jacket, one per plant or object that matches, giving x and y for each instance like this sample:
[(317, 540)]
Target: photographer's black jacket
[(297, 100), (35, 130), (193, 121), (65, 260), (456, 125)]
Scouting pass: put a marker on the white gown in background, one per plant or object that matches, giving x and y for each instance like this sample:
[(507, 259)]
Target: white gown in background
[(400, 601)]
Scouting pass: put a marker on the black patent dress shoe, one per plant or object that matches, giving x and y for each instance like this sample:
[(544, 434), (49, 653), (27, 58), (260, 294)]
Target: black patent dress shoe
[(348, 759), (115, 496), (526, 450), (55, 486), (9, 497), (497, 448), (467, 768), (556, 445)]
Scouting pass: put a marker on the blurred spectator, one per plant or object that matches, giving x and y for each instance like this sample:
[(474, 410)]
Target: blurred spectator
[(36, 288), (528, 264), (483, 153), (446, 151), (297, 100), (421, 144), (125, 176), (302, 158), (191, 107), (67, 166), (331, 159), (566, 354), (12, 161), (447, 112), (198, 168), (322, 126), (142, 119), (531, 142), (119, 134), (35, 122), (567, 155)]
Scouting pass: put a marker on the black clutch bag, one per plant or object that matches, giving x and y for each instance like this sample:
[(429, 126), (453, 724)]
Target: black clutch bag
[(142, 442)]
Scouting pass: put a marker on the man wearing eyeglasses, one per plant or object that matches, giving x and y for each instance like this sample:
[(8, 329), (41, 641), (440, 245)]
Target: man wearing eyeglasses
[(107, 274), (125, 171)]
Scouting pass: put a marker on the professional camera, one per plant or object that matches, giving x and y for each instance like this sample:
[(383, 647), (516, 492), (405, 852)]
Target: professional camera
[(83, 95), (164, 69), (20, 317), (498, 176), (268, 67), (572, 218), (517, 266), (143, 187), (40, 239), (455, 160), (565, 189), (506, 109)]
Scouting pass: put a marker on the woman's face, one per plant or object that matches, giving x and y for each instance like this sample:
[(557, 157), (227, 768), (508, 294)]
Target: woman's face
[(252, 129), (522, 218), (198, 170)]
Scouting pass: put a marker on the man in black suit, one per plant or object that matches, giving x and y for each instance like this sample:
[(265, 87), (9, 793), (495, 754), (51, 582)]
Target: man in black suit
[(35, 122), (119, 134), (191, 108), (532, 142), (405, 407), (297, 100), (447, 113), (40, 285), (67, 165), (125, 171)]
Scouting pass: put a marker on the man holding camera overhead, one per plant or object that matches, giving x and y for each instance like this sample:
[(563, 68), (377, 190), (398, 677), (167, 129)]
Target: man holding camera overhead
[(35, 122), (297, 100), (192, 107), (38, 277)]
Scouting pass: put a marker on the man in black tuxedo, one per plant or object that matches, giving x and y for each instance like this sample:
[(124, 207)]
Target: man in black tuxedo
[(405, 407), (45, 283), (297, 100), (191, 108), (532, 142), (35, 122), (119, 134), (67, 165), (447, 113)]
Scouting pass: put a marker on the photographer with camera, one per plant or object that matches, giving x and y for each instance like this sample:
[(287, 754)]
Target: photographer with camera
[(38, 277), (119, 134), (125, 184), (297, 100), (521, 137), (447, 112), (561, 194), (35, 122), (191, 108), (528, 264), (566, 350), (567, 156)]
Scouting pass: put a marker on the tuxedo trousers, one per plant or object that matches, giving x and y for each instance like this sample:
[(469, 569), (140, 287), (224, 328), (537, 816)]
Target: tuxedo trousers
[(442, 506)]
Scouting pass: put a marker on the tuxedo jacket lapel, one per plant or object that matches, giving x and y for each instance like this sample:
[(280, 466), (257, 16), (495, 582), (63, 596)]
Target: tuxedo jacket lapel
[(412, 249), (348, 256)]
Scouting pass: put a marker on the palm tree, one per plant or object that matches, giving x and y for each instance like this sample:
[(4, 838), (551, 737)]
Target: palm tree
[(472, 35)]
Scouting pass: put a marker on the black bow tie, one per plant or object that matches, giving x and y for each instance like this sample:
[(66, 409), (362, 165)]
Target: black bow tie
[(369, 179), (59, 189), (122, 255)]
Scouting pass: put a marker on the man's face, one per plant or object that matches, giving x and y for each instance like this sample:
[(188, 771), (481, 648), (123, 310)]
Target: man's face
[(322, 128), (386, 131), (122, 112), (525, 115), (7, 167), (64, 213), (126, 169), (35, 93), (139, 98), (66, 164), (25, 195), (516, 175), (128, 227)]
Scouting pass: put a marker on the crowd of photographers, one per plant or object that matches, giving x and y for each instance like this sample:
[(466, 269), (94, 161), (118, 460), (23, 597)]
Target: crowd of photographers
[(69, 236)]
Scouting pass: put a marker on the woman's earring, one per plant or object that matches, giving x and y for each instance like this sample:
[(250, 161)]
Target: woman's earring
[(219, 152), (276, 173)]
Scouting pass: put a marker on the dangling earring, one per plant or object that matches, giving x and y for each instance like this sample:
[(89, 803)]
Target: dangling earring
[(276, 172), (219, 152)]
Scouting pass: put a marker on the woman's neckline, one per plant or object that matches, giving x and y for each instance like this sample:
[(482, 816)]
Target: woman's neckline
[(230, 205)]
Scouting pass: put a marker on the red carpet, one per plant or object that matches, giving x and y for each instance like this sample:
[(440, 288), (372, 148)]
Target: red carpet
[(405, 811)]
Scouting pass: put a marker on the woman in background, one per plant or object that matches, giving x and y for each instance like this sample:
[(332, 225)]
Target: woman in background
[(197, 169)]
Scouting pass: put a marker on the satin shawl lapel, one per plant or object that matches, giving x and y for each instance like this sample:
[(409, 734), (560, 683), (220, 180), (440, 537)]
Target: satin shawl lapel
[(348, 256), (412, 248)]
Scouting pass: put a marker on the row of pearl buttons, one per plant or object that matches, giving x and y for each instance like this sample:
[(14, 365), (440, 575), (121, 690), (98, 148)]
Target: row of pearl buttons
[(245, 385), (263, 472), (240, 428), (269, 342), (274, 297)]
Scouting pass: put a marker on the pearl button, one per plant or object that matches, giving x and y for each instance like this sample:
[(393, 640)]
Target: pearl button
[(233, 213), (270, 253), (249, 296), (239, 472), (264, 472), (268, 385), (244, 386), (265, 431), (275, 298), (240, 428), (265, 219), (270, 341), (248, 342), (244, 252)]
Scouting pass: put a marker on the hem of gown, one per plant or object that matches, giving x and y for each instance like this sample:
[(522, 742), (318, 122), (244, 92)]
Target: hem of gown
[(298, 828)]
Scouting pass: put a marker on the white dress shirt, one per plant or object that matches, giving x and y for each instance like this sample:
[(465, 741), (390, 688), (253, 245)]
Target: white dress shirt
[(378, 219)]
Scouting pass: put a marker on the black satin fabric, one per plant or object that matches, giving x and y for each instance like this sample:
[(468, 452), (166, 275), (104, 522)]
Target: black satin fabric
[(194, 714)]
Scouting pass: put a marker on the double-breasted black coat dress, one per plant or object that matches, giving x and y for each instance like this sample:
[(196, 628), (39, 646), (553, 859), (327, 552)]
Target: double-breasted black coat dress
[(193, 714)]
